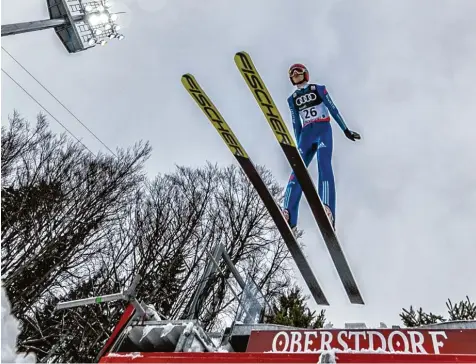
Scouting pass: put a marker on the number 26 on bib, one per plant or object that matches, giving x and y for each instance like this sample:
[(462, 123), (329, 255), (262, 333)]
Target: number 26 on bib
[(313, 113)]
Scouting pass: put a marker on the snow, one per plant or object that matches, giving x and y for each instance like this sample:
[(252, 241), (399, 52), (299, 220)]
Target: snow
[(167, 328), (328, 356), (152, 312), (188, 328), (133, 355), (10, 332), (216, 340), (146, 331), (196, 346), (203, 341), (148, 328), (222, 349)]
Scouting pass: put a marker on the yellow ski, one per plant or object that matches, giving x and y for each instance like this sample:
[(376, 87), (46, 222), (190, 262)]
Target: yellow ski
[(217, 120)]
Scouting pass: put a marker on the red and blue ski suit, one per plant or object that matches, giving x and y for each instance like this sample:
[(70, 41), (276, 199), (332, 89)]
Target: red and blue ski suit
[(310, 107)]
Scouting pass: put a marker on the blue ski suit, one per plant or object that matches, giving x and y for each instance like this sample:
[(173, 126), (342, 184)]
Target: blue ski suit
[(312, 105)]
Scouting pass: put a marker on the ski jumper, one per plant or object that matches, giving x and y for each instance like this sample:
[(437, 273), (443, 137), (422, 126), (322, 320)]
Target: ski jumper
[(312, 105)]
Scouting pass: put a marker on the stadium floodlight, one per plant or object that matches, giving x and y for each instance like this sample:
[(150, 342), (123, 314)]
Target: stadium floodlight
[(103, 18), (79, 24)]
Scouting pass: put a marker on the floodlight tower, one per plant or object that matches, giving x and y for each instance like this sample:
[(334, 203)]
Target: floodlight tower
[(79, 24)]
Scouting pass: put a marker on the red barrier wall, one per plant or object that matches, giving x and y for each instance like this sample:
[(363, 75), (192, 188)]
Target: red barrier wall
[(415, 341), (249, 358)]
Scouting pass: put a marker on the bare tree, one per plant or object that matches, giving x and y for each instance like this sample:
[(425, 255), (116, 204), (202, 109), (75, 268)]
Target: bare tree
[(184, 214), (243, 225), (71, 336), (57, 203), (179, 217), (76, 225)]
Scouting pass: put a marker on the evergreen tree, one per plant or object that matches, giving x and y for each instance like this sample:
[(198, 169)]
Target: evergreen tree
[(291, 310), (464, 310)]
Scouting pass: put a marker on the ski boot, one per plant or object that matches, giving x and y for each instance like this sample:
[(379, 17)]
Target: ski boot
[(286, 217), (330, 216)]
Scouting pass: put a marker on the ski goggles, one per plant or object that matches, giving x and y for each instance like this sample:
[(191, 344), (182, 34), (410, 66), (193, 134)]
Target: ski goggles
[(296, 71)]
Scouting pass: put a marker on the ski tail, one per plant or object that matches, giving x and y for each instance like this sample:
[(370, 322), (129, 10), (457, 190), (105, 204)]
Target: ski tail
[(217, 120), (258, 88)]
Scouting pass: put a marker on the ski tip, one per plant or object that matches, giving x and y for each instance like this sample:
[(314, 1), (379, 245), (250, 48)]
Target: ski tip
[(188, 81), (241, 54), (186, 75), (244, 62)]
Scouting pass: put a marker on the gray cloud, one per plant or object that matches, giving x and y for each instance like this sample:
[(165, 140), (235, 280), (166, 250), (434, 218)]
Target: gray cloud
[(402, 73)]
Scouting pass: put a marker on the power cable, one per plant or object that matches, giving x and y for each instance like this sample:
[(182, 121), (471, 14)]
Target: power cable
[(44, 108), (66, 108)]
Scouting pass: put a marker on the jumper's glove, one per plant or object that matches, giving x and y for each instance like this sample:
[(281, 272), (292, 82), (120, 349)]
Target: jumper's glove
[(352, 135)]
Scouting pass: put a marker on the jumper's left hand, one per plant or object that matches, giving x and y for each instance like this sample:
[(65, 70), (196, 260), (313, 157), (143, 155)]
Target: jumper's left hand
[(352, 135)]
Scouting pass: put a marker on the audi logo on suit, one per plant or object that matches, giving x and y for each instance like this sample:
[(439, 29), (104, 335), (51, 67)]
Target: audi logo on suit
[(306, 98)]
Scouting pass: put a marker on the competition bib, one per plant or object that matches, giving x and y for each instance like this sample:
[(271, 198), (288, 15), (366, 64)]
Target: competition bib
[(314, 113), (310, 106)]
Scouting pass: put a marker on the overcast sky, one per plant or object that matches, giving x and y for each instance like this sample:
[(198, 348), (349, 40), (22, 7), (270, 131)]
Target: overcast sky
[(402, 73)]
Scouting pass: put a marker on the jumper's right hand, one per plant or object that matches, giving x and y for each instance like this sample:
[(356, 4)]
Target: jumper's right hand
[(352, 135)]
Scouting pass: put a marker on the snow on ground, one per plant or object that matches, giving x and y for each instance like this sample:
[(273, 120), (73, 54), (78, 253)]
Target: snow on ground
[(327, 357), (132, 355), (10, 332), (146, 331), (167, 329)]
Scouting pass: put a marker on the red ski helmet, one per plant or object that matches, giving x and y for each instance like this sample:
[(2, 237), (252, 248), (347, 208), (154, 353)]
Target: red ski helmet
[(300, 69)]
